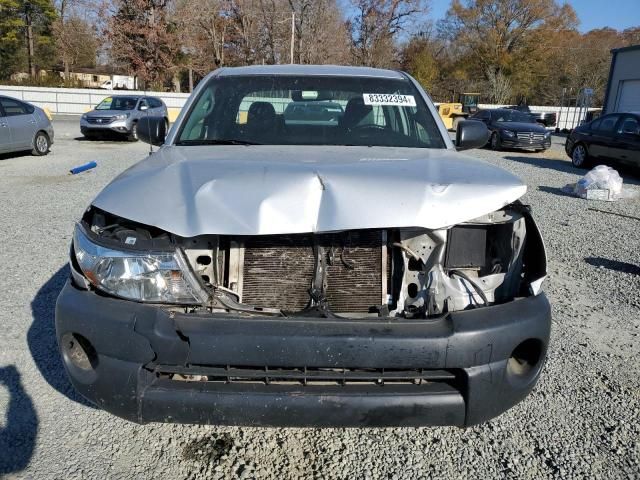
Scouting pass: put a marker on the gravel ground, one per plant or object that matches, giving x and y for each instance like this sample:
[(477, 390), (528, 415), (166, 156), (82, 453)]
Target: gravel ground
[(582, 420)]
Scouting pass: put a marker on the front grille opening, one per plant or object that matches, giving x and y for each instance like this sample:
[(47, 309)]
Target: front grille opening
[(303, 376)]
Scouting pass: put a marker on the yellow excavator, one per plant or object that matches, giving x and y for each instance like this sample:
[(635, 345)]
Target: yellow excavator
[(453, 113)]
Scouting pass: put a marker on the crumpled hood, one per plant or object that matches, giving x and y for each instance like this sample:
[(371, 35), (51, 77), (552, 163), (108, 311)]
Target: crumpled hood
[(261, 190)]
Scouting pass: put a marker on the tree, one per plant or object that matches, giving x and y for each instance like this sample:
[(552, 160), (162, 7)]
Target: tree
[(508, 37), (321, 34), (144, 39), (74, 34), (422, 58), (29, 19), (76, 43), (376, 26)]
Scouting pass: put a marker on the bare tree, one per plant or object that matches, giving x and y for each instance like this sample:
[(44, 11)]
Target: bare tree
[(376, 26), (321, 34), (143, 38), (499, 90)]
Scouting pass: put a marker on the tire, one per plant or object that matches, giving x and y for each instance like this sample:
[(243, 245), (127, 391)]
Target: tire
[(494, 142), (41, 144), (579, 156), (133, 134)]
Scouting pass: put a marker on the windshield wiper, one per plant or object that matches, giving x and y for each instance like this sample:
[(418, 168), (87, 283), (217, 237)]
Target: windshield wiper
[(216, 141)]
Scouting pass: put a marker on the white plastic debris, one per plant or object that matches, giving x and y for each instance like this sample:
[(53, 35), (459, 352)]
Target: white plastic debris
[(600, 183)]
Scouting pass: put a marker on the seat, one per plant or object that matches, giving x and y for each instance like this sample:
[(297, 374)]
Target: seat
[(261, 119), (355, 112)]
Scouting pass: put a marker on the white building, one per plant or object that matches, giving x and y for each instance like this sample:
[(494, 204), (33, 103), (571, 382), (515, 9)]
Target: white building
[(623, 89)]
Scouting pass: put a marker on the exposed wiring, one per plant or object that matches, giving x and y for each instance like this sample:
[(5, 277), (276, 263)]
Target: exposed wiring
[(475, 286), (408, 250)]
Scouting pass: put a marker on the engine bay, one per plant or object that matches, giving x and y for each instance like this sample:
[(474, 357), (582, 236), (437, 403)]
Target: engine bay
[(393, 272)]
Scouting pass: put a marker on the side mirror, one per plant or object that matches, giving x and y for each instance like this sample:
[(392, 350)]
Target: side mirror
[(152, 130), (471, 134), (143, 107)]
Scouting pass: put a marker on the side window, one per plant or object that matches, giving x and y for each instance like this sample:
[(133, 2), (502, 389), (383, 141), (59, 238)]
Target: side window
[(155, 103), (143, 103), (608, 123), (197, 127), (14, 107), (629, 125), (595, 125)]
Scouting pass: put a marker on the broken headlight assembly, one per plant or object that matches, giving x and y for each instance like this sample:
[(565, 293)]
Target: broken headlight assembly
[(158, 277)]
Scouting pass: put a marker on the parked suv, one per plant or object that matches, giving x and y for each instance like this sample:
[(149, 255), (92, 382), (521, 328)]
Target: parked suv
[(121, 114), (256, 270)]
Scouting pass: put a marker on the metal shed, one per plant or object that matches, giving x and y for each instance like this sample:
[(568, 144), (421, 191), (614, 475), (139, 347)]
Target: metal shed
[(623, 88)]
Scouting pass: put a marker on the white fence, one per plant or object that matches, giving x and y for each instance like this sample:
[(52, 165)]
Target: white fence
[(566, 117), (76, 101)]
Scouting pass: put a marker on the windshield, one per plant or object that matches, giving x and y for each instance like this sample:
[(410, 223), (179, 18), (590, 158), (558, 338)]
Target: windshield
[(306, 110), (118, 103), (511, 116)]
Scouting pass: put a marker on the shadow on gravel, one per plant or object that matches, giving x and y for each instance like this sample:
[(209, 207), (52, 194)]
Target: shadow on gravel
[(20, 427), (615, 265), (555, 191), (42, 337), (105, 137), (542, 162), (7, 156)]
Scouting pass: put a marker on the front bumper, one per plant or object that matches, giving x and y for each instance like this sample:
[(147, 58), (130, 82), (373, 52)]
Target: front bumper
[(511, 142), (465, 356), (118, 126)]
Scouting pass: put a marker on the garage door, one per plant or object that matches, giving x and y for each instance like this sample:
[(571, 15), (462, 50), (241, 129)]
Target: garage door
[(629, 97)]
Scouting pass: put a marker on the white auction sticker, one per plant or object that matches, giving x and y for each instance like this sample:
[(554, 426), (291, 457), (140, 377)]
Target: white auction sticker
[(389, 99)]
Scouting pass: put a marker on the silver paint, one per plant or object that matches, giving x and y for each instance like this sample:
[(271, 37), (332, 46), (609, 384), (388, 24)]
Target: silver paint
[(262, 190)]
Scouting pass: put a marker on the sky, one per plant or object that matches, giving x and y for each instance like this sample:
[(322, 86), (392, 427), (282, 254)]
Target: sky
[(618, 14)]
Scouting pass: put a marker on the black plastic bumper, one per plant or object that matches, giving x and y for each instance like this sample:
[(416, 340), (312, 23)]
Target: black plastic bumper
[(131, 340)]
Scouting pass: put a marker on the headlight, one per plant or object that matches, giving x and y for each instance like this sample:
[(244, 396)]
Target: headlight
[(84, 116), (141, 276), (547, 134), (508, 133), (122, 116)]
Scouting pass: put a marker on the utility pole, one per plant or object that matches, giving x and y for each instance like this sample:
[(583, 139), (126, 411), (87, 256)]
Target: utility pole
[(30, 46), (293, 33)]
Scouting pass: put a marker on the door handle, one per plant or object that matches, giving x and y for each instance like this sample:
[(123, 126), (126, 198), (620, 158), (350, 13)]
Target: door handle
[(32, 121), (3, 125)]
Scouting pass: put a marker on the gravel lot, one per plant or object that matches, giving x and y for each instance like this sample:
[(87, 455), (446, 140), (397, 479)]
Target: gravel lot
[(582, 420)]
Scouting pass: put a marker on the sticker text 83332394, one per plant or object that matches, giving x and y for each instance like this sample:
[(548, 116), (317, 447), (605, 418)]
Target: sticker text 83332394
[(389, 99)]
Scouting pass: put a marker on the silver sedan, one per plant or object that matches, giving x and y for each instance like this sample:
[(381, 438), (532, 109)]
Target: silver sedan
[(24, 127)]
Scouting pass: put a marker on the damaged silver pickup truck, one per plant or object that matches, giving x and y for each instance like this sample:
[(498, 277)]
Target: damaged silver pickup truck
[(306, 248)]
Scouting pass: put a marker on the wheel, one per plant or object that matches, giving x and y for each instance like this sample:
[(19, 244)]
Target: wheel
[(41, 144), (579, 156), (133, 134), (495, 141)]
